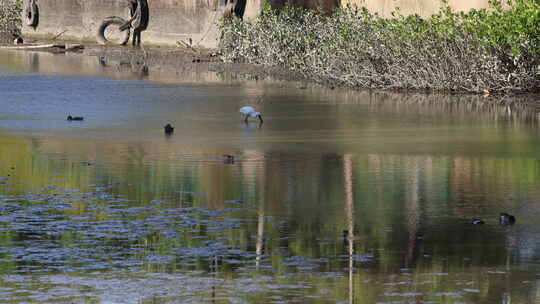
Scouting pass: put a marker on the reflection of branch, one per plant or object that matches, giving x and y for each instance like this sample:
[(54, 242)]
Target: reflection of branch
[(412, 214), (518, 108), (260, 235), (259, 247), (349, 212)]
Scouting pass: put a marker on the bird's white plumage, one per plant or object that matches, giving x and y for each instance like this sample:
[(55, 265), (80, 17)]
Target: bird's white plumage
[(247, 110)]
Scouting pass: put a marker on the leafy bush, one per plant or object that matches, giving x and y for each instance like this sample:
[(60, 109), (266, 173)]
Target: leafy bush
[(10, 18), (496, 49)]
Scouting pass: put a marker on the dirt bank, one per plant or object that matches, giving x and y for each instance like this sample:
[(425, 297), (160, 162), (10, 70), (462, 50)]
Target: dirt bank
[(184, 57), (159, 63)]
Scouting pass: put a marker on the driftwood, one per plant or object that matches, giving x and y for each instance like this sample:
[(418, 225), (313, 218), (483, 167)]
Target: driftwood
[(32, 47), (54, 47)]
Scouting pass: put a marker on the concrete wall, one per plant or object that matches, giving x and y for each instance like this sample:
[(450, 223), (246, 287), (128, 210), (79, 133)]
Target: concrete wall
[(170, 20), (181, 20), (421, 7)]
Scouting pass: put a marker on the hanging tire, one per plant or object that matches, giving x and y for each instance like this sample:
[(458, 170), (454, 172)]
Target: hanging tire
[(31, 14), (114, 20)]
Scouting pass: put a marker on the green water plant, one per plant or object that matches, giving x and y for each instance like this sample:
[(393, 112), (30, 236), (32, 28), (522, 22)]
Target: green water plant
[(487, 50)]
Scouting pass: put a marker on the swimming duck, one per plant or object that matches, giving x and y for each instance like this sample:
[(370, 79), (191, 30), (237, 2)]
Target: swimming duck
[(168, 129), (18, 40), (477, 222), (70, 118), (506, 219), (228, 159), (249, 111)]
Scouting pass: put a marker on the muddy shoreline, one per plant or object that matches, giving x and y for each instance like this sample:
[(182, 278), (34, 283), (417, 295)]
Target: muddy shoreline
[(183, 58), (155, 58)]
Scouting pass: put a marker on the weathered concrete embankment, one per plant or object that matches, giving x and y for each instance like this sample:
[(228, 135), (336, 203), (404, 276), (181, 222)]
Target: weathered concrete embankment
[(170, 21), (193, 22)]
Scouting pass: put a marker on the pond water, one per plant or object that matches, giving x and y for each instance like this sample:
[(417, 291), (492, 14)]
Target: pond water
[(338, 197)]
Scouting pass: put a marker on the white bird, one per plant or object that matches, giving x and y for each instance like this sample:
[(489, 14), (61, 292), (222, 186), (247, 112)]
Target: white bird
[(249, 111)]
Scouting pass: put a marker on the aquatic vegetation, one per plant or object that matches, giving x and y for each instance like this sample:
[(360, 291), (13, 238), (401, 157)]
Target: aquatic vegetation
[(484, 51)]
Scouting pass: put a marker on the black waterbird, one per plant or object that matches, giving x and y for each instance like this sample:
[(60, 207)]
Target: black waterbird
[(168, 129), (507, 219), (228, 159), (79, 118)]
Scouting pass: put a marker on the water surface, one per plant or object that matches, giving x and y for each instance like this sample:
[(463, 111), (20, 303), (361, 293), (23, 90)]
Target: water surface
[(339, 197)]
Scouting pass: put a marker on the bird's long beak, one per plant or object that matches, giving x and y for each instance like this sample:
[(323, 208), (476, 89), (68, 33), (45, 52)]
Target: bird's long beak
[(260, 118)]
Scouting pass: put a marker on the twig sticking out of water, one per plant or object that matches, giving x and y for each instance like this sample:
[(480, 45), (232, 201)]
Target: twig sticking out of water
[(260, 99), (59, 34)]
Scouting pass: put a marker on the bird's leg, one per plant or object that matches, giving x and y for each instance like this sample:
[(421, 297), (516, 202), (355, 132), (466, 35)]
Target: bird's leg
[(246, 119)]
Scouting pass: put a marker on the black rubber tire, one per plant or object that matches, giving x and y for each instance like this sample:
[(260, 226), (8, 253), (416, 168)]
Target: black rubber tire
[(101, 39), (31, 14)]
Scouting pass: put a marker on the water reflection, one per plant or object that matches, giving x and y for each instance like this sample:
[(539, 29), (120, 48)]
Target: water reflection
[(340, 197), (269, 226)]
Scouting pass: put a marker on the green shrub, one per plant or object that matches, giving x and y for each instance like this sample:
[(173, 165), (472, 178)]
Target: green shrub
[(494, 49), (10, 18)]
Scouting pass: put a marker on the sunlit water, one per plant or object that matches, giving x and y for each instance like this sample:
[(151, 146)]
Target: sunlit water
[(338, 197)]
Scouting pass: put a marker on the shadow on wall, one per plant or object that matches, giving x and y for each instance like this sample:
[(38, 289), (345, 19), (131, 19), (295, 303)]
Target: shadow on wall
[(325, 5), (384, 7)]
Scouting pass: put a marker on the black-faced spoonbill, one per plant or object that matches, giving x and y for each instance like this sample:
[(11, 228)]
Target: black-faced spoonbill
[(249, 111)]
